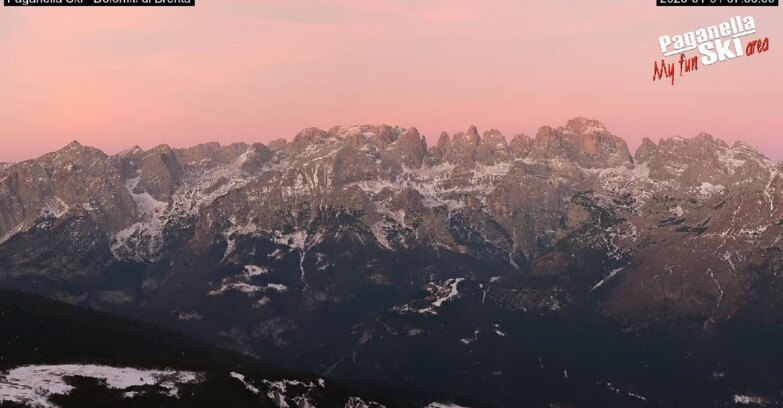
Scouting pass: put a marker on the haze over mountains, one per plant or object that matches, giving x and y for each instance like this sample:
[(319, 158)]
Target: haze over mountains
[(343, 250)]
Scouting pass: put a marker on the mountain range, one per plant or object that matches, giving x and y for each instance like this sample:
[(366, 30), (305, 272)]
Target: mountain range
[(363, 254)]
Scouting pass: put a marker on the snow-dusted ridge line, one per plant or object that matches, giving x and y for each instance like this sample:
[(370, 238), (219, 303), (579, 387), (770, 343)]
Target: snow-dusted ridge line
[(142, 240)]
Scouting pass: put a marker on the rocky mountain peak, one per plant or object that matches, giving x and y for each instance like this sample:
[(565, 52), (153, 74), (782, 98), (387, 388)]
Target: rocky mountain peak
[(709, 138), (645, 150), (204, 149), (161, 149), (277, 144), (159, 171), (473, 131), (444, 141), (492, 148), (207, 152), (409, 149), (698, 159), (463, 147), (582, 141), (73, 156), (307, 137), (581, 125), (438, 152), (129, 157), (748, 148), (73, 145), (75, 148), (362, 136), (520, 145), (136, 149), (493, 137), (466, 139)]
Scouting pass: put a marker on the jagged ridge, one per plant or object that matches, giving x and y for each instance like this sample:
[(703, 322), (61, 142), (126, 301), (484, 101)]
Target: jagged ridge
[(478, 195)]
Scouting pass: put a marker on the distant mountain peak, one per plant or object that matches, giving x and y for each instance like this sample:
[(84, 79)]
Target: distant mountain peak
[(473, 131), (581, 124)]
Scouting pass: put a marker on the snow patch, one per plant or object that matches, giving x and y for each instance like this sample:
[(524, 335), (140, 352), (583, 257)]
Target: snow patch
[(451, 294), (253, 270), (295, 240), (234, 230), (247, 385), (608, 277), (32, 385), (707, 190), (140, 239), (146, 204), (356, 402), (440, 293), (247, 288), (277, 287), (750, 400)]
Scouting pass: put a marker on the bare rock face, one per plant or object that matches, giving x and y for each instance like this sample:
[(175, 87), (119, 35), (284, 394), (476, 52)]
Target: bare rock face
[(565, 219), (159, 173), (520, 145), (409, 150), (645, 151), (582, 141), (441, 148), (463, 148), (492, 148), (277, 145), (74, 179), (306, 138)]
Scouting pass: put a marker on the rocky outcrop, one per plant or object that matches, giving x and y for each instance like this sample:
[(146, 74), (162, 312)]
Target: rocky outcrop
[(492, 149), (408, 150), (584, 142)]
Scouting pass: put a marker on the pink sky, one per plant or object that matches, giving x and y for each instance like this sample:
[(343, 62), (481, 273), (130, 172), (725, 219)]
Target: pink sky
[(257, 70)]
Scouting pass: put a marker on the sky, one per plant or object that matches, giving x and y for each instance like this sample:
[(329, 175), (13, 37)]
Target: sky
[(258, 70)]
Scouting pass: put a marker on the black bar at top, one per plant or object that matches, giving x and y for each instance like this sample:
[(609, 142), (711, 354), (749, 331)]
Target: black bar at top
[(99, 3), (717, 3)]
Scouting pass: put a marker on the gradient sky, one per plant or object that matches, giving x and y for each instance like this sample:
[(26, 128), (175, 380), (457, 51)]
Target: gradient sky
[(257, 70)]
